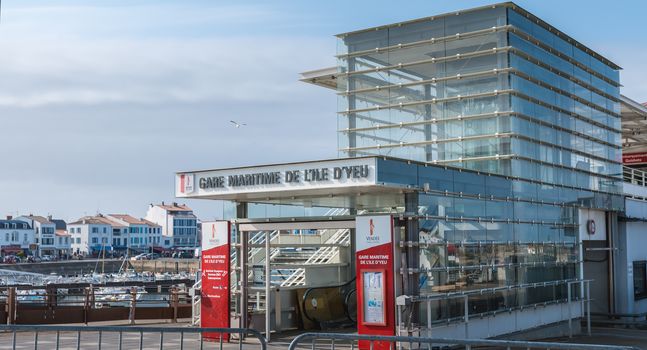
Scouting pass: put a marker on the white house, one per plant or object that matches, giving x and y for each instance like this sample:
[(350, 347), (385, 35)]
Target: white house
[(45, 233), (91, 235), (139, 235), (179, 224), (63, 243), (16, 236)]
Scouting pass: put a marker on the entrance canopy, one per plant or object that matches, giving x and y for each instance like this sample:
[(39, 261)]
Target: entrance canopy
[(349, 182)]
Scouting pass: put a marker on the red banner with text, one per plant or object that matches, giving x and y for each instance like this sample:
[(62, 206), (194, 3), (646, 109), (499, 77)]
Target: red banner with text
[(375, 278), (634, 158), (215, 297)]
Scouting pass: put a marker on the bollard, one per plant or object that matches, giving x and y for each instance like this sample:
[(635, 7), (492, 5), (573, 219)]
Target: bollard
[(174, 303), (133, 304), (11, 305)]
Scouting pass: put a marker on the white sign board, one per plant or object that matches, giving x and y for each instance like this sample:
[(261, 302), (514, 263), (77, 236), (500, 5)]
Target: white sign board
[(372, 231), (349, 172), (214, 234)]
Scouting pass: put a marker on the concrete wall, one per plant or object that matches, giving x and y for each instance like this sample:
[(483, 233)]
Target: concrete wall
[(598, 216), (166, 265)]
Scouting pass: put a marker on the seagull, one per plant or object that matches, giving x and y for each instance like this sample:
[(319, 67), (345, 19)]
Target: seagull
[(236, 124)]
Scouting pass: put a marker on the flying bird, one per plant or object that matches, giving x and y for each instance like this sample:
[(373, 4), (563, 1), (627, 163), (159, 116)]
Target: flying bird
[(237, 124)]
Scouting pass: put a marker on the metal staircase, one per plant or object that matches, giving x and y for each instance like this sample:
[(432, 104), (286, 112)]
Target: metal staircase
[(323, 255), (195, 303), (288, 270)]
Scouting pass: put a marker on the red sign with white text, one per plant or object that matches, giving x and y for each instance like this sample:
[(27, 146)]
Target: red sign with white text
[(634, 158), (375, 278), (215, 297)]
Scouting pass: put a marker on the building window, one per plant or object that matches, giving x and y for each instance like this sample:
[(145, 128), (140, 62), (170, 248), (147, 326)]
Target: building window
[(640, 280)]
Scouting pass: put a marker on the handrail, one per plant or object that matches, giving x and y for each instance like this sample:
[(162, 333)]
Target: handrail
[(634, 176), (373, 341)]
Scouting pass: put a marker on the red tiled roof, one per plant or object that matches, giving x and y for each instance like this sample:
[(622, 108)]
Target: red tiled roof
[(62, 233), (132, 220), (175, 207)]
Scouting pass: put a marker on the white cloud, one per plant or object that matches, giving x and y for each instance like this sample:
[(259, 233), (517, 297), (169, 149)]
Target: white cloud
[(153, 71), (106, 103), (89, 55)]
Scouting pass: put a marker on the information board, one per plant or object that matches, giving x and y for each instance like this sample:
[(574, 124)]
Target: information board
[(214, 305), (375, 278), (374, 309)]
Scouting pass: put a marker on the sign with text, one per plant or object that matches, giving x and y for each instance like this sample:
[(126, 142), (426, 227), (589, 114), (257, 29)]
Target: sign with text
[(281, 177), (215, 296), (375, 277), (634, 158)]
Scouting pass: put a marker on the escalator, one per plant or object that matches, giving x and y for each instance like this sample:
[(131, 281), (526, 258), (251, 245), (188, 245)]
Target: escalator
[(330, 307)]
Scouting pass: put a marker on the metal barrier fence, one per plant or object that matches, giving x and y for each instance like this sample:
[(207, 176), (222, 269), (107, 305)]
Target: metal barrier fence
[(578, 291), (122, 337), (335, 340)]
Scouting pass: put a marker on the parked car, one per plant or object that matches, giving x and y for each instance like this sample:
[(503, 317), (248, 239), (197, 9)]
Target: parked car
[(153, 256), (11, 259), (182, 255), (142, 256), (33, 259), (47, 258)]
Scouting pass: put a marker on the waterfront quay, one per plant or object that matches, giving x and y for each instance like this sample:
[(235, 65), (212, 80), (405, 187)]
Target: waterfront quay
[(33, 298)]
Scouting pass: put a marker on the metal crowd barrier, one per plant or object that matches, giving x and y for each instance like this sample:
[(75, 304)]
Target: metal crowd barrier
[(122, 337), (332, 340)]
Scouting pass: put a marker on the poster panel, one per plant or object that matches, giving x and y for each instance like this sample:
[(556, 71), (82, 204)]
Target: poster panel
[(374, 293), (215, 296), (375, 278)]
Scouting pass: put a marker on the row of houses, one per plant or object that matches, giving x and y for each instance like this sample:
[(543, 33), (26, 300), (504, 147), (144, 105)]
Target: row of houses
[(165, 227)]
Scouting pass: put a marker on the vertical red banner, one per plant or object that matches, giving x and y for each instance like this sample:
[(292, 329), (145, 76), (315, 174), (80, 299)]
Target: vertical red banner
[(215, 295), (375, 278)]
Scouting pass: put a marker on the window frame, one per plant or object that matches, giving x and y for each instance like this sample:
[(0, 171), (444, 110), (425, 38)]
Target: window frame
[(640, 268)]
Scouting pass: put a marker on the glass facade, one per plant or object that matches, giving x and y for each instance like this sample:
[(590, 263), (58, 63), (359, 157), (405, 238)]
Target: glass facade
[(491, 90), (484, 237), (508, 128)]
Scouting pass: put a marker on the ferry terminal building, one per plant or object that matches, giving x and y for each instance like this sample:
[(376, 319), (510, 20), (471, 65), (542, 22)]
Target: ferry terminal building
[(479, 183)]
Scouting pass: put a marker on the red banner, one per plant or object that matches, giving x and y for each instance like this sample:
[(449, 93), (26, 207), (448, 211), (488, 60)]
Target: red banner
[(215, 297), (634, 158), (375, 278)]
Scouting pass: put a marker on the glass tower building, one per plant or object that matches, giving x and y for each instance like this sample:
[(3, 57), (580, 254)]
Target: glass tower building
[(494, 143), (493, 90)]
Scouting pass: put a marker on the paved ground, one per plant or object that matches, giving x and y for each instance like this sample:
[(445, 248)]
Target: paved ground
[(89, 340), (611, 336)]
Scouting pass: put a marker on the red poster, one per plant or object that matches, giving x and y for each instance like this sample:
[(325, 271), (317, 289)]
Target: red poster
[(634, 158), (214, 312), (375, 278)]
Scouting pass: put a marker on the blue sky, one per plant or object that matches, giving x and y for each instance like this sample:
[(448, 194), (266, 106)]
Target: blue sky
[(102, 101)]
